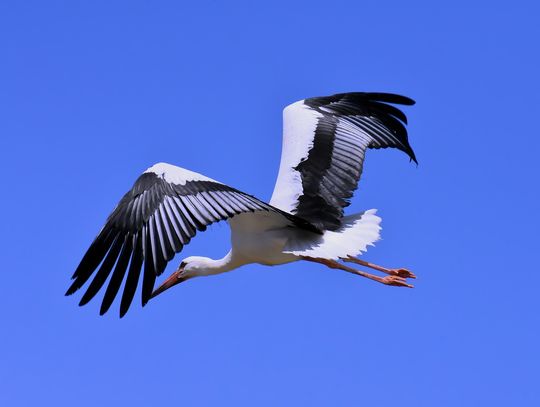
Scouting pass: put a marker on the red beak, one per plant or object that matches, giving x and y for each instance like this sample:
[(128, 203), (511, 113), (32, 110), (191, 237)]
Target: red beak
[(171, 281)]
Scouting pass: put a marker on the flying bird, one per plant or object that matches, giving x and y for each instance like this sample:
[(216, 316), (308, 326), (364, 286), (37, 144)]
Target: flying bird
[(324, 144)]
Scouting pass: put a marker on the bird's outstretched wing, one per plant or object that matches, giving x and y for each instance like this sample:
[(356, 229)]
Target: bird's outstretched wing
[(324, 143), (151, 223)]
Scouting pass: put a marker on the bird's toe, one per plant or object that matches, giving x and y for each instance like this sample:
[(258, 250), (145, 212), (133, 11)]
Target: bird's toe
[(404, 273), (396, 281)]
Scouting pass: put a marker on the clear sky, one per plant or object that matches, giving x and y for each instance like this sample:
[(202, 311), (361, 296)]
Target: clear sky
[(93, 93)]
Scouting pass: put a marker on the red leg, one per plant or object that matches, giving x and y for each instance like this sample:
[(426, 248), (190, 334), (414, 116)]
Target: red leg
[(393, 272), (388, 280)]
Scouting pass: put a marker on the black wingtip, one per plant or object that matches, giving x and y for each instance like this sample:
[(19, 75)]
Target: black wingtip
[(391, 98), (72, 289), (84, 300), (121, 314), (413, 157), (124, 308), (406, 101), (104, 308)]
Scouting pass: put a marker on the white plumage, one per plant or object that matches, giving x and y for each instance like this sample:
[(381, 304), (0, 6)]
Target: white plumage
[(176, 175), (357, 233), (324, 144), (299, 125)]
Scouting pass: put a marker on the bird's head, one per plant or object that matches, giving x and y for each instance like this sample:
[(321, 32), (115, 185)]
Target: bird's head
[(194, 266), (190, 267)]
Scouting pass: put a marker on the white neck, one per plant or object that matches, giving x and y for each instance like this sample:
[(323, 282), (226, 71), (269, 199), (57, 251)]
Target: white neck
[(205, 266)]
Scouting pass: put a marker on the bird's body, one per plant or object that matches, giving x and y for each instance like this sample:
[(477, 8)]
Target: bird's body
[(324, 143), (260, 238)]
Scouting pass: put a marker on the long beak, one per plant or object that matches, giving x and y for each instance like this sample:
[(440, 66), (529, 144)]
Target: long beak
[(171, 281)]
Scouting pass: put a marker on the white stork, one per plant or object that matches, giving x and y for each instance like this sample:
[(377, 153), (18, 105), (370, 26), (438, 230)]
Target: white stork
[(324, 143)]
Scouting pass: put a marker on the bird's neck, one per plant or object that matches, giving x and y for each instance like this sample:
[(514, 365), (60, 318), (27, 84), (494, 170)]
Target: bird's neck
[(227, 263)]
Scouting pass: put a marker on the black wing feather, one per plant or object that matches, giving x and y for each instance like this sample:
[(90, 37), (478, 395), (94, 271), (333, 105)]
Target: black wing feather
[(104, 270), (152, 222), (118, 274), (132, 278), (349, 123)]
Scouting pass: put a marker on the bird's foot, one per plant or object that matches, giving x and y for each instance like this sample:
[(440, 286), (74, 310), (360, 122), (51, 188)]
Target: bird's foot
[(400, 272), (404, 273), (396, 281), (395, 278)]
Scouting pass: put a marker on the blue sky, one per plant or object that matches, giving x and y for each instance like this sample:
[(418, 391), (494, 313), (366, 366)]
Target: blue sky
[(92, 93)]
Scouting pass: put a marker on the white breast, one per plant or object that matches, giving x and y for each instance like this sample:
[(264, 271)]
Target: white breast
[(261, 237)]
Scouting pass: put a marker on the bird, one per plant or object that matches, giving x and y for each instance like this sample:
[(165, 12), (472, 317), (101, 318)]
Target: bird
[(324, 143)]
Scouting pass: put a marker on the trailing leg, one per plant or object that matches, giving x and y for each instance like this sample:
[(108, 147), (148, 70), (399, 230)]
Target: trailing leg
[(404, 273), (393, 280)]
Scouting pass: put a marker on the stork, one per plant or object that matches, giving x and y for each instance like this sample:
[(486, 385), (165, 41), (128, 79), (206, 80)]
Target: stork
[(324, 144)]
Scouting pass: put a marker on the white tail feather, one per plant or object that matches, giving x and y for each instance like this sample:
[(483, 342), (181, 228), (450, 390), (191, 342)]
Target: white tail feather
[(357, 233)]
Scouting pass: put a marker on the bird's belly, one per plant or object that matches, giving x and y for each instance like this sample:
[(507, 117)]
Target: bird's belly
[(264, 248)]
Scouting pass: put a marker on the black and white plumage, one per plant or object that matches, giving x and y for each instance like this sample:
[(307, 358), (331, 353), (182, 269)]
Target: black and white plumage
[(324, 144)]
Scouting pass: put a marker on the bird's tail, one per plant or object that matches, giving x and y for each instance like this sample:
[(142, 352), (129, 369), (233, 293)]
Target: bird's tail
[(357, 232)]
